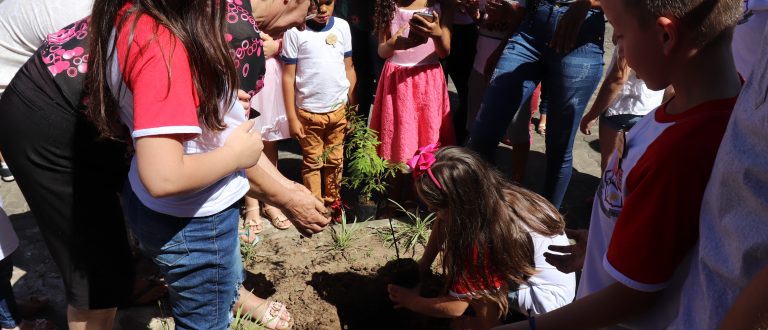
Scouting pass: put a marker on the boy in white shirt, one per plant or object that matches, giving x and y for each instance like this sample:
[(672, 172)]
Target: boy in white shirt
[(318, 82)]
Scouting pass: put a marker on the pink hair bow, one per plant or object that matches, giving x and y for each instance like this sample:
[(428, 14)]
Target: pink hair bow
[(422, 162)]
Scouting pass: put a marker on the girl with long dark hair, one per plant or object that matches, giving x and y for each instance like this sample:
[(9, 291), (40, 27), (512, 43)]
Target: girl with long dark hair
[(492, 246)]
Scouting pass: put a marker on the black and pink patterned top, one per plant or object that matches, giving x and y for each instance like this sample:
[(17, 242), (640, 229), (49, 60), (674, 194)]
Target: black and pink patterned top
[(245, 45), (65, 53)]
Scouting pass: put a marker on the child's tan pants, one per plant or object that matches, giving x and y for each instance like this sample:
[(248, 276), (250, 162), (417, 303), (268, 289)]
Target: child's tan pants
[(324, 132)]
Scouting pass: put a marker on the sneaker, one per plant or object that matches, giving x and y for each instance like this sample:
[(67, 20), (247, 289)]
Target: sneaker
[(5, 173)]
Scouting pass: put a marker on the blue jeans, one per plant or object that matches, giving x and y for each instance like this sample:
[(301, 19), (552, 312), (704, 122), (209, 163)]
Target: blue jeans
[(570, 80), (199, 257), (9, 316)]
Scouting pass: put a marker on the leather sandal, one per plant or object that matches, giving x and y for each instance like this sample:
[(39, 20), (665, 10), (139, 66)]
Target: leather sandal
[(250, 227), (276, 217)]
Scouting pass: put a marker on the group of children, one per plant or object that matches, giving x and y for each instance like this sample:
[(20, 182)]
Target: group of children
[(648, 261)]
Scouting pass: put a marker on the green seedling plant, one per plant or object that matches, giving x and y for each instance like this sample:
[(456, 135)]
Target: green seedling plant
[(247, 252), (367, 171), (344, 234), (411, 233)]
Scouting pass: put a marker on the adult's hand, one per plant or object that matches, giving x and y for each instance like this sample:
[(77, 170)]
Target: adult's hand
[(306, 212), (572, 256), (568, 28)]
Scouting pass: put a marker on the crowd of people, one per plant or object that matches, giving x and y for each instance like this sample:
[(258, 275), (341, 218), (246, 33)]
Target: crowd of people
[(152, 127)]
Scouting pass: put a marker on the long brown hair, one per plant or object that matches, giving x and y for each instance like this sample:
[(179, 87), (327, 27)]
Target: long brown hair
[(485, 220), (198, 24)]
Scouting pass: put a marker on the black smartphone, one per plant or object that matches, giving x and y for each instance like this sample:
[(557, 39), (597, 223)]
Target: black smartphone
[(429, 17), (253, 113)]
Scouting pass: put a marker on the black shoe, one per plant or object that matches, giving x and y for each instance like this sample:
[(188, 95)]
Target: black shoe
[(5, 174)]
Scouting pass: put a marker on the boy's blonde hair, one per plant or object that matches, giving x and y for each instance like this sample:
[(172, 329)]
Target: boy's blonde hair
[(707, 20)]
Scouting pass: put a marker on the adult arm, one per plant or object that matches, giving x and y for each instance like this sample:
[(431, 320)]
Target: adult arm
[(302, 208), (569, 26)]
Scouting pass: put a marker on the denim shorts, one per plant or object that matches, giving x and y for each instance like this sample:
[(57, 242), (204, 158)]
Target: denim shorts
[(199, 257), (620, 122)]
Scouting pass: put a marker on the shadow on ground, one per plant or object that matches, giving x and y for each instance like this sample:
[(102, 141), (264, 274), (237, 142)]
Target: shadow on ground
[(362, 301)]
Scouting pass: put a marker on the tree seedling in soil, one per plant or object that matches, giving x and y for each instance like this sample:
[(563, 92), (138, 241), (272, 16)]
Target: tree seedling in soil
[(411, 233), (367, 171), (345, 234), (402, 272)]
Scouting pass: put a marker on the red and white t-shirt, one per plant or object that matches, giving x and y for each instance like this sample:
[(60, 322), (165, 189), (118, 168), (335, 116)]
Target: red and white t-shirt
[(152, 81), (645, 216)]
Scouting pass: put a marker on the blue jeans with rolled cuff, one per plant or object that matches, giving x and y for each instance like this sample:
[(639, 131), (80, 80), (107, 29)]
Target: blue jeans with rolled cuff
[(199, 258), (571, 78)]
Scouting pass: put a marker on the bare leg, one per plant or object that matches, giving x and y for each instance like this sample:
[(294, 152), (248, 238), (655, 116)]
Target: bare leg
[(608, 142), (94, 319)]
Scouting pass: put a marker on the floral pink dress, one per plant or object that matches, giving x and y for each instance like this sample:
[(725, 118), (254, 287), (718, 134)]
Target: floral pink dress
[(412, 108)]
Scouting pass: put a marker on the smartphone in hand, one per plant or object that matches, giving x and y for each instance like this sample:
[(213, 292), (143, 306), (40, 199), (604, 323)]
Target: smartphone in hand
[(429, 17)]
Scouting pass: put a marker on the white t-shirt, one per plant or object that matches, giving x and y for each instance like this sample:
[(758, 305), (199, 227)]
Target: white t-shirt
[(549, 288), (645, 216), (8, 240), (150, 106), (321, 76), (733, 238), (24, 24), (634, 98)]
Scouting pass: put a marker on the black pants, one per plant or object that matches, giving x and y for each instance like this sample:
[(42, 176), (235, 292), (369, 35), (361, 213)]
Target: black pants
[(458, 66), (71, 181)]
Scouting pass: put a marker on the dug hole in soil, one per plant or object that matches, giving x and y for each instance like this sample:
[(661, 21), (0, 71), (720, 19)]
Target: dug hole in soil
[(325, 288)]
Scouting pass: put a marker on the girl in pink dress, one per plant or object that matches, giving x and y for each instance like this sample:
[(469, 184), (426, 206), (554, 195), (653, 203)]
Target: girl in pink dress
[(412, 106)]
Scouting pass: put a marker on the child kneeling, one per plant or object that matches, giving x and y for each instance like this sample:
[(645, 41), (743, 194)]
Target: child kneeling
[(492, 244)]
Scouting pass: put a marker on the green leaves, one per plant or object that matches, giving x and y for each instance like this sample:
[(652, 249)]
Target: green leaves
[(366, 170)]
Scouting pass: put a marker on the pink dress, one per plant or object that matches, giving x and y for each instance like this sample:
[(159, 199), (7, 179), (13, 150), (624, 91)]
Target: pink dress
[(412, 108), (273, 123)]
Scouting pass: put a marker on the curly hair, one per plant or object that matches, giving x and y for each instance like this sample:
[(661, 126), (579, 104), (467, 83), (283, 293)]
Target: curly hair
[(490, 232), (384, 12)]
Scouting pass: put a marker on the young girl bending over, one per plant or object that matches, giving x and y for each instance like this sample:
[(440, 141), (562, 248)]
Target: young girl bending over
[(412, 106), (492, 244)]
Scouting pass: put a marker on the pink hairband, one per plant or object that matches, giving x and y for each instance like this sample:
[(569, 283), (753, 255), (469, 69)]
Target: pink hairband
[(422, 161)]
